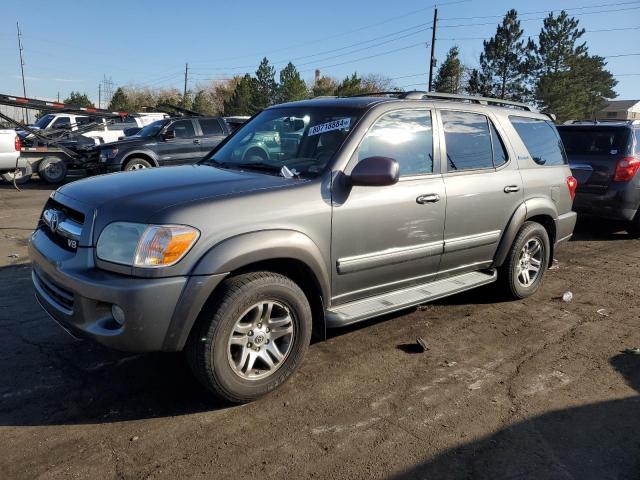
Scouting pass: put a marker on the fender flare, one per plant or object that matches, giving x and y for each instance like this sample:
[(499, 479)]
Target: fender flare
[(530, 208), (242, 250), (146, 153)]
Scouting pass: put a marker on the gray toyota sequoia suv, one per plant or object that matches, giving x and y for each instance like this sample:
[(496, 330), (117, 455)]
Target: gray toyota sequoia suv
[(312, 215)]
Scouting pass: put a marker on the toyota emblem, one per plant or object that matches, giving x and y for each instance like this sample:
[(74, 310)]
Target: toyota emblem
[(53, 221)]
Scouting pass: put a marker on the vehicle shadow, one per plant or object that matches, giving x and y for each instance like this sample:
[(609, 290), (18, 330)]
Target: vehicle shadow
[(595, 441), (588, 229), (49, 378)]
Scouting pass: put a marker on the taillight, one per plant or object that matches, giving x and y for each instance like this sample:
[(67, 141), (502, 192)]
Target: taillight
[(572, 184), (626, 169), (17, 143)]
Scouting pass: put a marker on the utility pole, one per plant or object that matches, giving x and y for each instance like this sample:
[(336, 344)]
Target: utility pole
[(25, 113), (100, 95), (184, 95), (432, 63)]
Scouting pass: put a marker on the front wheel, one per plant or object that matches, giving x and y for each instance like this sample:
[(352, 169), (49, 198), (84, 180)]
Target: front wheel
[(527, 261), (137, 164), (252, 337)]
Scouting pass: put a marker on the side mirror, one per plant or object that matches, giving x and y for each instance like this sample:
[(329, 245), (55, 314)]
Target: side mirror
[(375, 172), (169, 134)]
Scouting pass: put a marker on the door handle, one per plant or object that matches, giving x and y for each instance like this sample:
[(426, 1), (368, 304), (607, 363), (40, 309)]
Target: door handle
[(511, 188), (196, 141), (428, 198)]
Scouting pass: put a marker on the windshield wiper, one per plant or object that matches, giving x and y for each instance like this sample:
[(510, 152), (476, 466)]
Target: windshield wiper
[(262, 167)]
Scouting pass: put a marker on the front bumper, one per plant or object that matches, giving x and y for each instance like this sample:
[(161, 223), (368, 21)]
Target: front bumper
[(159, 312)]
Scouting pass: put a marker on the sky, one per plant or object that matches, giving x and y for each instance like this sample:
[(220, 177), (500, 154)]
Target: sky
[(74, 45)]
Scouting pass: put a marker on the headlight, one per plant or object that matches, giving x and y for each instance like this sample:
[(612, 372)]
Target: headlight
[(142, 245), (109, 153)]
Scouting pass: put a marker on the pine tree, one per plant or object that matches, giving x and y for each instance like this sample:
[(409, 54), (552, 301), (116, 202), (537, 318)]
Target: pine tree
[(507, 63), (449, 76), (202, 103), (120, 101), (557, 43), (579, 91), (350, 86), (266, 92), (242, 99), (291, 87), (78, 99), (324, 86), (571, 84), (478, 84)]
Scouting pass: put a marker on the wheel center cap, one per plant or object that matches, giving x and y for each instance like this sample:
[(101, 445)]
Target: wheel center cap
[(259, 338)]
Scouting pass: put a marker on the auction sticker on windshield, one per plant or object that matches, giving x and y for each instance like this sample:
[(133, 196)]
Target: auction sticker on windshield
[(341, 124)]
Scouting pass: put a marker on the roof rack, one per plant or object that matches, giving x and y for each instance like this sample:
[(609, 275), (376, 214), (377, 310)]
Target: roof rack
[(417, 95), (421, 95), (600, 121)]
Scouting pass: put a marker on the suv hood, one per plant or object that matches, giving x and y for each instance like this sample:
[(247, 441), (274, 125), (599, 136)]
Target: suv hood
[(134, 196)]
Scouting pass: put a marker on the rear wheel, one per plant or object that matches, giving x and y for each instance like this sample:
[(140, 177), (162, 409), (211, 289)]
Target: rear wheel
[(527, 261), (52, 170), (137, 164), (252, 337)]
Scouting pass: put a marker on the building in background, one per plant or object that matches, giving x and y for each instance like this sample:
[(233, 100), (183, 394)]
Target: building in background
[(620, 110)]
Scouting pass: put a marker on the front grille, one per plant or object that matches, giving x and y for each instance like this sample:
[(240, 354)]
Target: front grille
[(62, 224), (59, 295)]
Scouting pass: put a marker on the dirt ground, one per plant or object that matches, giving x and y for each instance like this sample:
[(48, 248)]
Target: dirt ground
[(529, 389)]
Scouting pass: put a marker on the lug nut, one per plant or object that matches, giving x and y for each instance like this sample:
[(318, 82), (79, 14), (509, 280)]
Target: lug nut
[(266, 341), (251, 333), (249, 345), (259, 325), (257, 349), (268, 330)]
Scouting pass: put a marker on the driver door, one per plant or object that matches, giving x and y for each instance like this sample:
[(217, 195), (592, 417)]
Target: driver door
[(387, 238), (184, 148)]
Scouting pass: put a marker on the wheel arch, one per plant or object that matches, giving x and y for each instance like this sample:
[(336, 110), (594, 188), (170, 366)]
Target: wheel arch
[(144, 154), (540, 210), (287, 252)]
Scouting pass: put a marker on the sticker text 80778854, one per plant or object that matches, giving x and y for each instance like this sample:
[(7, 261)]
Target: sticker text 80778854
[(340, 124)]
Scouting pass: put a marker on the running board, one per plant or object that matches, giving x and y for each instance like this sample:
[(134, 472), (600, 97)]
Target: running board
[(352, 312)]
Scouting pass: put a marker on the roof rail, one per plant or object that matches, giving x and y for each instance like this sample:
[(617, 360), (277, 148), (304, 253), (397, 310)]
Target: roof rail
[(417, 95), (373, 94), (601, 121)]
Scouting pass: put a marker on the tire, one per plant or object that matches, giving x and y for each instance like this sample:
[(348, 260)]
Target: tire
[(136, 163), (513, 276), (216, 348), (52, 170), (23, 175)]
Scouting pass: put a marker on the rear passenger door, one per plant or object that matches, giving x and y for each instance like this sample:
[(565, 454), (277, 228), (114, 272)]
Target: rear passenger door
[(212, 134), (484, 188)]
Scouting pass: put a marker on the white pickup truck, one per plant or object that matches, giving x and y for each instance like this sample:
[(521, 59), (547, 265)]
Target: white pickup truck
[(104, 132), (9, 153)]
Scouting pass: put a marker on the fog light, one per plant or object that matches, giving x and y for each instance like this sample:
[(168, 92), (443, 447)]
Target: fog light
[(118, 314)]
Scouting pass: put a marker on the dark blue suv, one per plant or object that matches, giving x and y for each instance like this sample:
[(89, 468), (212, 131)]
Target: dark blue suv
[(605, 159)]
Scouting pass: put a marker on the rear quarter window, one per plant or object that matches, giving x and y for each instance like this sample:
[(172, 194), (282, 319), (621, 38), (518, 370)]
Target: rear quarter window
[(541, 139)]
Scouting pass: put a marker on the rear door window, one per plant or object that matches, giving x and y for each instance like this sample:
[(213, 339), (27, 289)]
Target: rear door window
[(468, 141), (62, 122), (210, 126), (541, 139)]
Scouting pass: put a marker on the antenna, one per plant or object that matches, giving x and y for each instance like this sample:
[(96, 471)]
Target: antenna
[(25, 113)]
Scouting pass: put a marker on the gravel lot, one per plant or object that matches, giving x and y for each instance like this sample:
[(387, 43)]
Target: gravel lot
[(529, 389)]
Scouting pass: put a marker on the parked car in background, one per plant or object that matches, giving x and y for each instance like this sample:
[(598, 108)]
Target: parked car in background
[(173, 141), (237, 259), (106, 130), (10, 145), (605, 159)]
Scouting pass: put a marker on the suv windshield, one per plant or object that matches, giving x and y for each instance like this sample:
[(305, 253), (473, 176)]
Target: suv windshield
[(151, 129), (287, 141), (44, 121), (594, 140)]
